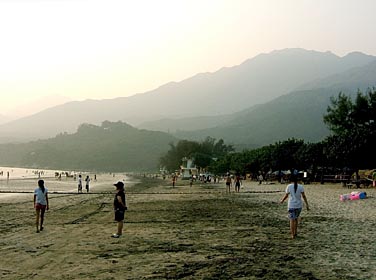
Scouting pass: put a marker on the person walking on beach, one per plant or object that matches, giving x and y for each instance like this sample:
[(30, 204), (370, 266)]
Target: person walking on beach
[(174, 180), (228, 183), (87, 180), (120, 207), (40, 204), (238, 183), (294, 193), (79, 183)]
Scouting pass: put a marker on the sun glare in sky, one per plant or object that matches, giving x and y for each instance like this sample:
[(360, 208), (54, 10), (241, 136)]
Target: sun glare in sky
[(105, 49)]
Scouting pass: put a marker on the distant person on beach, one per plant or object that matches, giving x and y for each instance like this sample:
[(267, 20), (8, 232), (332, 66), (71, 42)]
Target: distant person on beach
[(87, 180), (260, 179), (120, 207), (294, 193), (191, 181), (79, 183), (238, 183), (228, 183), (173, 180), (40, 204), (374, 178)]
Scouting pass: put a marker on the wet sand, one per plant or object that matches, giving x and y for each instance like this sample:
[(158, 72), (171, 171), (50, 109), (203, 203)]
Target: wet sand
[(186, 233)]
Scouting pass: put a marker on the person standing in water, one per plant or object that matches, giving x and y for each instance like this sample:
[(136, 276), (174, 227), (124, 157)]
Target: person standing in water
[(40, 204), (294, 193)]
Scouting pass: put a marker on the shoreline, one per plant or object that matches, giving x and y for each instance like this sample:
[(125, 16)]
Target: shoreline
[(25, 186)]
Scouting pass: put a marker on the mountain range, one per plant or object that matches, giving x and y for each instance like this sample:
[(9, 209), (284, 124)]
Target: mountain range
[(298, 114), (267, 98)]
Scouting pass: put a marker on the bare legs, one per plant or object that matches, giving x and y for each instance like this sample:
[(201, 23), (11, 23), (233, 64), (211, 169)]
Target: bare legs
[(39, 213), (294, 228), (37, 219), (42, 211)]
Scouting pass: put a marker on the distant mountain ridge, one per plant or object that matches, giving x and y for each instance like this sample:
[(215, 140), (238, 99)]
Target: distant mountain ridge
[(298, 114), (225, 92), (171, 125)]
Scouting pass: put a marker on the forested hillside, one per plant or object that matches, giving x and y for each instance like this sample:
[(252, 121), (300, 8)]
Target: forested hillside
[(111, 147), (298, 114)]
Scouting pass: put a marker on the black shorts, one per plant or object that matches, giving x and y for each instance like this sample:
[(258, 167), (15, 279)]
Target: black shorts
[(119, 215)]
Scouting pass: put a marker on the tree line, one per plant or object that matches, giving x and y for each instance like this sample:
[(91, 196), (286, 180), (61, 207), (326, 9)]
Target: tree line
[(350, 147)]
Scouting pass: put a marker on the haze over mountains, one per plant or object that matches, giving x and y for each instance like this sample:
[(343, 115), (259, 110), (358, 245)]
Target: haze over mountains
[(4, 119), (28, 108), (250, 104), (298, 114)]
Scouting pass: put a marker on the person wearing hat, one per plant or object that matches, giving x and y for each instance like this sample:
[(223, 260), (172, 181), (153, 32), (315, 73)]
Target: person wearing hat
[(119, 207)]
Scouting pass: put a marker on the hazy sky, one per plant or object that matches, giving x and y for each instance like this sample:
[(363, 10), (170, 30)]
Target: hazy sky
[(103, 48)]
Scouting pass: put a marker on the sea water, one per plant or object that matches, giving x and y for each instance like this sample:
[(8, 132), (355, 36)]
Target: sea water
[(15, 180), (24, 173)]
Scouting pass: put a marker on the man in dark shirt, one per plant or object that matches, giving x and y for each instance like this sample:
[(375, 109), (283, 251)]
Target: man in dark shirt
[(119, 207)]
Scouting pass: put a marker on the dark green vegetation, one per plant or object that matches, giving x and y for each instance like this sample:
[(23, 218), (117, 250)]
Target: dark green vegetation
[(110, 147), (350, 146), (353, 123), (294, 115), (203, 153), (284, 155)]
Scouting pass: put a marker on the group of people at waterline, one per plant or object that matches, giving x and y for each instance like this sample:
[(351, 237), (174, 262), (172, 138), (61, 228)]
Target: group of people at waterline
[(41, 204), (294, 193)]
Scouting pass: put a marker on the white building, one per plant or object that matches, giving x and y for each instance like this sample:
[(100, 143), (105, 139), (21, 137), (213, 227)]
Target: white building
[(187, 169)]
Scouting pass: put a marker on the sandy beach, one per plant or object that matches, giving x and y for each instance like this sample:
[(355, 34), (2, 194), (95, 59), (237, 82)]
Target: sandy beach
[(182, 232)]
